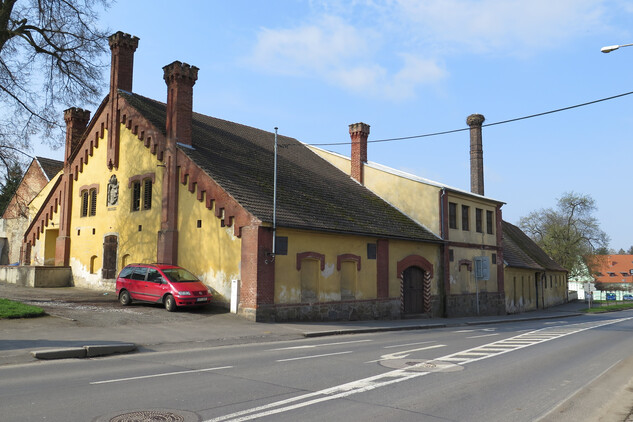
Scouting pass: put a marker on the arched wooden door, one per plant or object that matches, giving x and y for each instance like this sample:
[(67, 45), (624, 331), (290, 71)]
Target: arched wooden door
[(110, 246), (413, 290)]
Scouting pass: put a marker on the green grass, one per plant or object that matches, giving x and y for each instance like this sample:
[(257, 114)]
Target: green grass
[(11, 309), (608, 308)]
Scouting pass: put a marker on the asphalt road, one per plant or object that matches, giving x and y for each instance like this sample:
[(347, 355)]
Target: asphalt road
[(521, 371)]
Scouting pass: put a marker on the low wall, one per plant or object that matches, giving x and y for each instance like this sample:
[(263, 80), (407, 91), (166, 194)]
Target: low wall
[(31, 276)]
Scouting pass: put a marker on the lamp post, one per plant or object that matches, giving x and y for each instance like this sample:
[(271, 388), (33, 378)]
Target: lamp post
[(611, 48)]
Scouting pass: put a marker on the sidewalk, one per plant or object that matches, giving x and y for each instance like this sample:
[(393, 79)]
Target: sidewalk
[(80, 317)]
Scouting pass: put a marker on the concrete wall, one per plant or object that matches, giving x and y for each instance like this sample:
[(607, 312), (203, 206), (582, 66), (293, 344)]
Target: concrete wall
[(37, 276)]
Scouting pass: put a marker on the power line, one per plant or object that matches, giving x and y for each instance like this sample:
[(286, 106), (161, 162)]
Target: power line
[(446, 132)]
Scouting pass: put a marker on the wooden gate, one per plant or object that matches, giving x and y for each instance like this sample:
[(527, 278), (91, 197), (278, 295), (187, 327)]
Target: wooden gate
[(110, 246), (413, 290)]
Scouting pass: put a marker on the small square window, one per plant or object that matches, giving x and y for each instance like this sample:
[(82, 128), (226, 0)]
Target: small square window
[(281, 245), (94, 231), (451, 255), (199, 223), (140, 228), (371, 251)]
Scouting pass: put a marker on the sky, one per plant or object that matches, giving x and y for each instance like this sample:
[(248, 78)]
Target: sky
[(408, 68)]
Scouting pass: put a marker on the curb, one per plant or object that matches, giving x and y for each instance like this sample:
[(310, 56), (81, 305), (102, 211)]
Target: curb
[(371, 330), (87, 351)]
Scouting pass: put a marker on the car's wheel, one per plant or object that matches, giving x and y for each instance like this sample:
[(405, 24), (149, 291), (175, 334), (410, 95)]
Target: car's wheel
[(125, 298), (170, 303)]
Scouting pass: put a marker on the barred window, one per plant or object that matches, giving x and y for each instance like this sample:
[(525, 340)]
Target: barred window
[(93, 202), (136, 196), (84, 204), (147, 194)]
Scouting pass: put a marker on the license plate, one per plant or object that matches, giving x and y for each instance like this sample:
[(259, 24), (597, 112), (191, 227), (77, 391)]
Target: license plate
[(201, 299)]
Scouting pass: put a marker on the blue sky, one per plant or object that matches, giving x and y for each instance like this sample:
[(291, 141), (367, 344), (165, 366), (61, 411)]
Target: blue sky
[(408, 68)]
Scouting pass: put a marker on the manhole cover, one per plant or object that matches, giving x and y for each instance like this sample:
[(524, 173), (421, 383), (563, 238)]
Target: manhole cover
[(156, 415)]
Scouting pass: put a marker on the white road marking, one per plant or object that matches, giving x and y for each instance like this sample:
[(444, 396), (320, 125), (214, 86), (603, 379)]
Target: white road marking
[(314, 356), (160, 375), (399, 375), (465, 331), (409, 344), (484, 335), (311, 346), (403, 354), (331, 393)]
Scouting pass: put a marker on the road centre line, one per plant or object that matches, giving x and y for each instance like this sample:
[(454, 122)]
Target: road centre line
[(160, 375), (314, 356), (408, 344), (311, 346)]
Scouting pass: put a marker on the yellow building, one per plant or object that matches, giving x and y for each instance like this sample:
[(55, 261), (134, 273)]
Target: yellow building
[(147, 181), (468, 224), (532, 279)]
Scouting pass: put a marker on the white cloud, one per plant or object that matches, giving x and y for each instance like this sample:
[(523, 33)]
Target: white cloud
[(343, 55)]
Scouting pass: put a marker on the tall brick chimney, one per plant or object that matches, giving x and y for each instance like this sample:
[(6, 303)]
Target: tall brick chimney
[(123, 47), (76, 122), (476, 154), (180, 78), (359, 132)]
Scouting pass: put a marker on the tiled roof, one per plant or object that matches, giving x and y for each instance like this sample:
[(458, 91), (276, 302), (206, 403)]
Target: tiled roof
[(312, 194), (51, 167), (612, 268), (522, 252)]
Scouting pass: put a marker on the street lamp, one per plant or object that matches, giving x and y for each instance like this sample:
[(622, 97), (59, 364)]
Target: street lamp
[(611, 48)]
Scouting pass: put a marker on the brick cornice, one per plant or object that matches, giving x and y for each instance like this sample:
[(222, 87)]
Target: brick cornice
[(310, 255), (347, 257)]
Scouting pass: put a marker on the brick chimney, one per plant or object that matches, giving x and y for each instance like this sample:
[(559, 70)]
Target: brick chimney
[(359, 133), (123, 47), (76, 122), (476, 154), (180, 78)]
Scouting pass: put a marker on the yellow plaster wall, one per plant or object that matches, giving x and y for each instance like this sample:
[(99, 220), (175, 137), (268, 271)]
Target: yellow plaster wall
[(418, 200), (520, 289), (338, 161), (399, 249), (211, 252), (288, 278), (471, 236), (463, 281), (87, 233)]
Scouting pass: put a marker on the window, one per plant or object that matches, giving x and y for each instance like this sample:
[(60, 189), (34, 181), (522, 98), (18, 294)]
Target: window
[(452, 215), (371, 251), (479, 220), (84, 204), (494, 258), (451, 255), (147, 194), (281, 245), (136, 196), (141, 186), (489, 222), (93, 202), (465, 219)]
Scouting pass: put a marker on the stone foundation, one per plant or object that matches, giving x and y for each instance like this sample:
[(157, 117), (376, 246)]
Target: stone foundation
[(464, 305)]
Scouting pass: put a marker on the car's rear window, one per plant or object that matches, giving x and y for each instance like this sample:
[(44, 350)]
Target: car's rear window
[(179, 275)]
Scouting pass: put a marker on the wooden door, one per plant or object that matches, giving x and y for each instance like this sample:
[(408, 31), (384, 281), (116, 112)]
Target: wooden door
[(110, 246), (413, 290)]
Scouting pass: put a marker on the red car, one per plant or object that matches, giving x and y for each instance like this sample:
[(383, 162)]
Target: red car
[(170, 285)]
